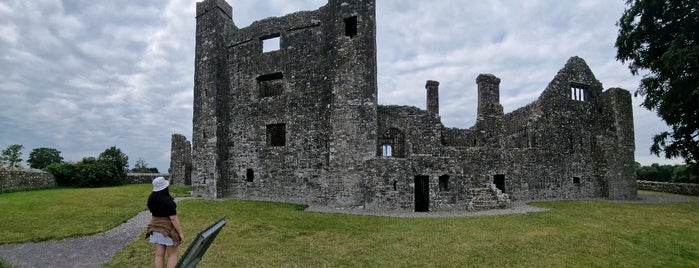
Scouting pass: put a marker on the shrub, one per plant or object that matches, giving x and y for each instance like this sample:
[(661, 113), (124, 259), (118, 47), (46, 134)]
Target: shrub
[(93, 173), (89, 172), (63, 173)]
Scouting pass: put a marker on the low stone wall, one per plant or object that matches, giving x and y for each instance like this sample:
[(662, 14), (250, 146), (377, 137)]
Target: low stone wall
[(132, 178), (669, 187), (20, 180)]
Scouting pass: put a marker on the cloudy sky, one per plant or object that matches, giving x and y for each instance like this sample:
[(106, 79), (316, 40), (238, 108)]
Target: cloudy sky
[(81, 76)]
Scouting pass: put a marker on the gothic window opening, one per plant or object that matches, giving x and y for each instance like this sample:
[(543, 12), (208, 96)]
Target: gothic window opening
[(276, 134), (578, 92), (391, 143), (249, 175), (444, 183), (351, 26), (270, 43), (270, 84)]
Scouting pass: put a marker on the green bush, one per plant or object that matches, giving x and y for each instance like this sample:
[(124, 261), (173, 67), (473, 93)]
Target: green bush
[(94, 173), (63, 173), (89, 172)]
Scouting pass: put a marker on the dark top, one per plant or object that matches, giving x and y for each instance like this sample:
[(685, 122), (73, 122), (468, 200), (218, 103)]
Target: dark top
[(161, 204)]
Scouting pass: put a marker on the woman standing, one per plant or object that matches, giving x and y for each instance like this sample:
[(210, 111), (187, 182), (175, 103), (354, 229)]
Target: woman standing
[(164, 229)]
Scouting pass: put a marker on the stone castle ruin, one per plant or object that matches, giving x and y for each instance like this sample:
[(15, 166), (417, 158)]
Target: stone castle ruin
[(300, 122)]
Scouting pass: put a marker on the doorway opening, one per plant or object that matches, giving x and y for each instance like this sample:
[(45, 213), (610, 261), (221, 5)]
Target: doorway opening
[(422, 193), (499, 181)]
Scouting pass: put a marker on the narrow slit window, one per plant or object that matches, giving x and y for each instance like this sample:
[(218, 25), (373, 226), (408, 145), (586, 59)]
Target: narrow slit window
[(270, 84), (270, 43), (276, 134), (351, 26), (249, 175)]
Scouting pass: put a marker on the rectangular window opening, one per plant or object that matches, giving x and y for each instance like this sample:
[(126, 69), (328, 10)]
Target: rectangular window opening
[(270, 43), (249, 175), (276, 134), (351, 26), (386, 150), (270, 84), (578, 92), (576, 180), (444, 183)]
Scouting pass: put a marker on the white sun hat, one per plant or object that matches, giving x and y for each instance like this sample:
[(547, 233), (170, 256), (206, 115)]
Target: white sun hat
[(159, 184)]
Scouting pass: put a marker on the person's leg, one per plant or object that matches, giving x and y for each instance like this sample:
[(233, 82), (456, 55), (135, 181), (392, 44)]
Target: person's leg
[(159, 255), (172, 256)]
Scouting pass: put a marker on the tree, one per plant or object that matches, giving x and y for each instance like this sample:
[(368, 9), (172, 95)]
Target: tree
[(12, 155), (42, 157), (118, 159), (142, 167), (662, 37)]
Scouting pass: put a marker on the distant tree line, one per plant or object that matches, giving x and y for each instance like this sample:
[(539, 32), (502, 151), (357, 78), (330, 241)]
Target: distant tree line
[(666, 173), (107, 169)]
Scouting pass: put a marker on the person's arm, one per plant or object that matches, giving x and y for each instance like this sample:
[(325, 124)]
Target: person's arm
[(176, 223)]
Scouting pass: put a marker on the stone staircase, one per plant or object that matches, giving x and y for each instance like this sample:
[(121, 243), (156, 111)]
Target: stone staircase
[(487, 197)]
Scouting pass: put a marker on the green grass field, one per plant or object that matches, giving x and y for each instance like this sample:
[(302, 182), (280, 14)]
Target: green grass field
[(66, 212), (266, 234)]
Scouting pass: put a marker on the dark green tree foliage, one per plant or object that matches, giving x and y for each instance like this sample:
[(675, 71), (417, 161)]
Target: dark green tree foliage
[(42, 157), (109, 169), (11, 156), (662, 38), (94, 173), (118, 159), (63, 173), (666, 173)]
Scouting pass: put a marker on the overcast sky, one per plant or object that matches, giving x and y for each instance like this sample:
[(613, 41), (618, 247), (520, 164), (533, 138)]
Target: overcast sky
[(81, 76)]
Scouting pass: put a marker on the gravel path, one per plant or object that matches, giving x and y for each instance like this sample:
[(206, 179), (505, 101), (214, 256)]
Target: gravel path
[(95, 250)]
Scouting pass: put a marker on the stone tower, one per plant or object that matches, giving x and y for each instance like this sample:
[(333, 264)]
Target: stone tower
[(211, 85)]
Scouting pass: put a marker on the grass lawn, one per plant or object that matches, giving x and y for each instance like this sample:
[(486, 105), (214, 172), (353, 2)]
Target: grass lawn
[(59, 213), (572, 233)]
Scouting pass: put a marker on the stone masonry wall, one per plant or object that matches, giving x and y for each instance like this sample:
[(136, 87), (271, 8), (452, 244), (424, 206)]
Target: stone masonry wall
[(301, 123), (669, 187), (20, 180), (180, 160)]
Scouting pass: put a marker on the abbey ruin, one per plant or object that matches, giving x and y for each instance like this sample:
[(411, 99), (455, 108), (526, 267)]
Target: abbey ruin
[(301, 123)]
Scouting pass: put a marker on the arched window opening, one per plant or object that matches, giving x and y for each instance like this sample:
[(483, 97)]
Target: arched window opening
[(391, 143)]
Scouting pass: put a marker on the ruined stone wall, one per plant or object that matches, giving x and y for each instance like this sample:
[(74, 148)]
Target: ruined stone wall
[(300, 123), (211, 86), (21, 180), (518, 127), (180, 160), (297, 113), (458, 137), (619, 143), (669, 187), (416, 131)]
